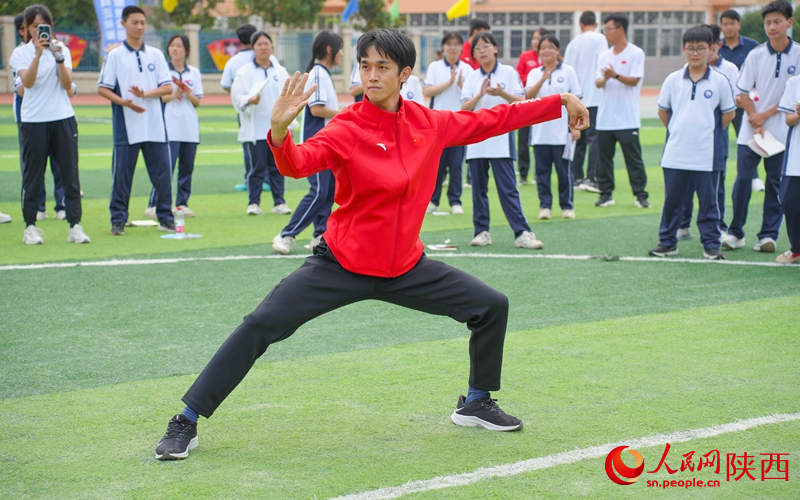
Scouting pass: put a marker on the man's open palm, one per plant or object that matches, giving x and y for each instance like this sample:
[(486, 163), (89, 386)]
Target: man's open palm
[(291, 101)]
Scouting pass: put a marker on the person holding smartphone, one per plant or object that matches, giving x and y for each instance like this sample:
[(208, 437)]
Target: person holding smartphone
[(47, 123)]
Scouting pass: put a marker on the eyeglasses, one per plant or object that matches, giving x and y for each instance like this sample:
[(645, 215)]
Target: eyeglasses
[(481, 48), (606, 30), (697, 51)]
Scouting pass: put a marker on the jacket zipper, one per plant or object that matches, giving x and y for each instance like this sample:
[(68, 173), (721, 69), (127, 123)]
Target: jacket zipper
[(399, 203)]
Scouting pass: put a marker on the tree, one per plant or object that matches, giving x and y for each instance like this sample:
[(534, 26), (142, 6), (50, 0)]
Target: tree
[(753, 26), (290, 12), (374, 14), (67, 14), (186, 12)]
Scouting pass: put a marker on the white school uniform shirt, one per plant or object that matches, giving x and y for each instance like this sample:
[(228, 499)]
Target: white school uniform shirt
[(730, 71), (254, 119), (619, 103), (147, 69), (695, 119), (788, 105), (439, 72), (501, 146), (582, 54), (564, 78), (355, 76), (412, 90), (325, 95), (180, 114), (237, 61), (767, 71), (46, 101)]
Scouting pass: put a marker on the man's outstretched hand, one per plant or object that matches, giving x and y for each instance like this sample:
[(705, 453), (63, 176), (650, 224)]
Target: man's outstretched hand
[(288, 106), (578, 114)]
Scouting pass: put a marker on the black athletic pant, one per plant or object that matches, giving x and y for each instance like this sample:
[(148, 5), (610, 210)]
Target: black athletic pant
[(737, 125), (321, 285), (58, 139), (587, 142), (524, 152), (790, 202), (631, 150)]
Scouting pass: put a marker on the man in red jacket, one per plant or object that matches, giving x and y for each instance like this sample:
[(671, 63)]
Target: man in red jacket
[(384, 153)]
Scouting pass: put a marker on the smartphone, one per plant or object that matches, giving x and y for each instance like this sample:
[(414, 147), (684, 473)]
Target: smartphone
[(44, 32)]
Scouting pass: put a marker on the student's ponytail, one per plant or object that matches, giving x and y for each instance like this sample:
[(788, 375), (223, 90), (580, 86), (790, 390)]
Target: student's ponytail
[(319, 50)]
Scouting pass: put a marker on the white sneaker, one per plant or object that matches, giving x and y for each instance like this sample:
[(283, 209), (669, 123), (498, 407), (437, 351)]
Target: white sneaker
[(457, 210), (545, 214), (187, 212), (467, 185), (684, 233), (313, 243), (150, 213), (254, 210), (76, 235), (568, 213), (766, 245), (283, 245), (61, 215), (41, 215), (758, 185), (281, 209), (528, 240), (731, 242), (431, 208), (482, 239), (4, 218), (32, 236)]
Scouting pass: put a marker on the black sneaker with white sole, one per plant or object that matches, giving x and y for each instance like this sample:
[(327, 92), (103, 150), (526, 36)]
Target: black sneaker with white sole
[(117, 229), (713, 254), (605, 201), (166, 227), (181, 437), (641, 201), (484, 413), (661, 251)]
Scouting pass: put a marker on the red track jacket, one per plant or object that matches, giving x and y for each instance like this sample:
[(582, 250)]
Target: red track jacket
[(385, 165)]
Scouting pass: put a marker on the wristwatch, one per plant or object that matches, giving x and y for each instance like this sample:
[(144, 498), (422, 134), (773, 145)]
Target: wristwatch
[(616, 76)]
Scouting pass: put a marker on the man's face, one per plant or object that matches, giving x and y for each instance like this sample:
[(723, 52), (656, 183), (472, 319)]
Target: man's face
[(381, 77), (696, 54), (776, 26), (612, 32), (135, 25), (730, 27)]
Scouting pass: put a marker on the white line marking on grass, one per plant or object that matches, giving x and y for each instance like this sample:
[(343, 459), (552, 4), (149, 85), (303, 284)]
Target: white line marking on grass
[(142, 262), (567, 457), (108, 153)]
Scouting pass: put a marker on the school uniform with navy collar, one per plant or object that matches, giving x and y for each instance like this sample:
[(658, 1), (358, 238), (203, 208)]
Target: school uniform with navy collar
[(550, 140), (452, 159), (183, 131), (147, 69), (731, 72), (790, 180), (254, 123), (693, 150), (355, 80), (736, 56), (768, 71), (316, 205), (47, 127), (498, 152)]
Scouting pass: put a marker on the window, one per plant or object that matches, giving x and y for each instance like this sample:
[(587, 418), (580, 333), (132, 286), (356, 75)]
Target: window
[(532, 18), (498, 19), (499, 36), (518, 43)]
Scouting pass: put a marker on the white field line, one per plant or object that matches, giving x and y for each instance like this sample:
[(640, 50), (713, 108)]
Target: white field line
[(567, 457), (108, 153), (142, 262)]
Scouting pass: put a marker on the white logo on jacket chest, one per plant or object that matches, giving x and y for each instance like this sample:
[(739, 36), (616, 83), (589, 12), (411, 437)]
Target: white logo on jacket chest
[(381, 145)]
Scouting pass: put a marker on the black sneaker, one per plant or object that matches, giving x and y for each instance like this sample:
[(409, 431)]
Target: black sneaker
[(117, 229), (167, 227), (661, 251), (590, 186), (641, 201), (713, 254), (605, 201), (484, 413), (181, 437)]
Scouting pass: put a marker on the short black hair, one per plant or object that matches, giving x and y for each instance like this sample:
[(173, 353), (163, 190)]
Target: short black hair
[(588, 18), (780, 6), (698, 34), (131, 9), (19, 20), (620, 21), (484, 35), (716, 32), (245, 32), (730, 14), (478, 24), (550, 38), (452, 35), (389, 43)]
